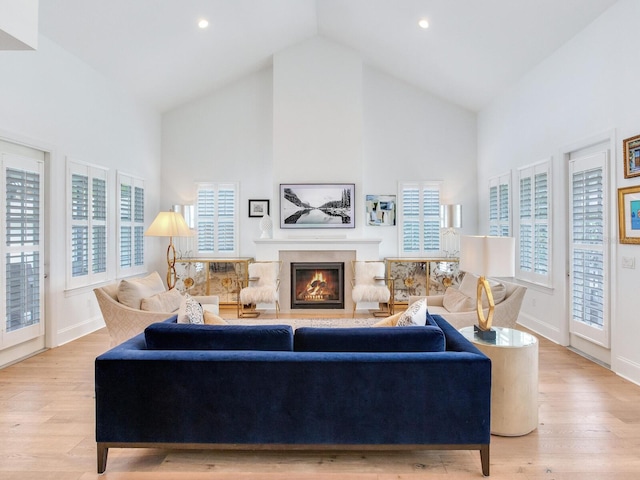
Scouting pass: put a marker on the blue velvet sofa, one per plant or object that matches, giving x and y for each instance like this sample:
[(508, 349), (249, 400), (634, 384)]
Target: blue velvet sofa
[(264, 387)]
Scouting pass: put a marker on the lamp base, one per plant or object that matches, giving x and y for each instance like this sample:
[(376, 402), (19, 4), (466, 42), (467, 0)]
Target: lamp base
[(486, 335)]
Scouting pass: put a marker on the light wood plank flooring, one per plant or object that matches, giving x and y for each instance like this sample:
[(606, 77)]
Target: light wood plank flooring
[(589, 430)]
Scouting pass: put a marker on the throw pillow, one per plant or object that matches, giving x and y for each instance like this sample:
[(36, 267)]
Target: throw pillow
[(389, 321), (456, 301), (415, 315), (132, 291), (168, 301), (190, 311), (211, 318)]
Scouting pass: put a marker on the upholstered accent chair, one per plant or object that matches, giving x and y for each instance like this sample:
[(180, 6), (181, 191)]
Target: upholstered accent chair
[(458, 304), (131, 305), (370, 284), (262, 288)]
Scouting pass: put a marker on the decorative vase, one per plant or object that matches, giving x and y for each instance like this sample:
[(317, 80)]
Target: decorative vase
[(266, 226)]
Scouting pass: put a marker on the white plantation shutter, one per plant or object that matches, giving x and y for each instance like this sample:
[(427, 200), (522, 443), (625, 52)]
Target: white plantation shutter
[(534, 223), (500, 205), (22, 249), (419, 218), (87, 224), (588, 248), (131, 245), (217, 218), (588, 238)]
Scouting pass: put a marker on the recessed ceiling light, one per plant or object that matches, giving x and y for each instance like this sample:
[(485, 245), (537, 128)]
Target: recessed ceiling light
[(424, 23), (203, 23)]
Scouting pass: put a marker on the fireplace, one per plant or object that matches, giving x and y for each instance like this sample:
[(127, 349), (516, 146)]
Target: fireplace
[(317, 285)]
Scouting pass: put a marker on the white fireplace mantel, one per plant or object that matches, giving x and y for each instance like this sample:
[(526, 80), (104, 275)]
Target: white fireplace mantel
[(270, 248)]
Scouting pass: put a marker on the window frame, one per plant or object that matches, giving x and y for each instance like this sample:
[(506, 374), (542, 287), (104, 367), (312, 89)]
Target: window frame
[(92, 172), (214, 219), (501, 224), (535, 223), (421, 217), (136, 223)]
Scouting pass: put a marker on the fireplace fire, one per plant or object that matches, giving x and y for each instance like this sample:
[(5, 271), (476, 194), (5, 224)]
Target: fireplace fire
[(317, 285)]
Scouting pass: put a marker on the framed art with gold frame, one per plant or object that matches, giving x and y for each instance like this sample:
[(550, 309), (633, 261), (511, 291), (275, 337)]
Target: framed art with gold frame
[(631, 147), (629, 214)]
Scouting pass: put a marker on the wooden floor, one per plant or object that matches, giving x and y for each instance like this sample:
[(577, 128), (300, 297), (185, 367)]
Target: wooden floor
[(589, 429)]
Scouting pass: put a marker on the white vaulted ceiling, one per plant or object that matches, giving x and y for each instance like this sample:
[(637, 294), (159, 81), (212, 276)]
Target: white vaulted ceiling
[(472, 50)]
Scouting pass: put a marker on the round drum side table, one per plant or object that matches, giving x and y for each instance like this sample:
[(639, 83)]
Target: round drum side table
[(514, 379)]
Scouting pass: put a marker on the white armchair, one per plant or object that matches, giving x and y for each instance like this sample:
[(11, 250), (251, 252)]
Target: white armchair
[(263, 287), (370, 284), (130, 306), (458, 304)]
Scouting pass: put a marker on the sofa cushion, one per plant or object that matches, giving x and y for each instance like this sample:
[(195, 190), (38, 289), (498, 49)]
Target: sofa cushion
[(456, 301), (177, 336), (132, 291), (384, 339), (190, 311), (414, 315), (168, 301)]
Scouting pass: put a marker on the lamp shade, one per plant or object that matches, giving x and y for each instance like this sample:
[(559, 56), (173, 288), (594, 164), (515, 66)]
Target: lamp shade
[(450, 216), (488, 256), (169, 224)]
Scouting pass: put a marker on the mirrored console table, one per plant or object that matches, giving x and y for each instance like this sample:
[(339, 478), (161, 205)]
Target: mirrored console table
[(419, 276), (213, 276)]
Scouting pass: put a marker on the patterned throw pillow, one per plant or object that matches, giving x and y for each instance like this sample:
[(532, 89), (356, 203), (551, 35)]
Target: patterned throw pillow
[(415, 315), (190, 311)]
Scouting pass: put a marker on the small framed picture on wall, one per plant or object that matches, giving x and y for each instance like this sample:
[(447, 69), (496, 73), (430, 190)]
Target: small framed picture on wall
[(631, 147), (258, 208)]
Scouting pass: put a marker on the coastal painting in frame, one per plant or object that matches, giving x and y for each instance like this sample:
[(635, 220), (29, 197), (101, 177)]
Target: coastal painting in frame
[(629, 214), (631, 147), (317, 205), (381, 210)]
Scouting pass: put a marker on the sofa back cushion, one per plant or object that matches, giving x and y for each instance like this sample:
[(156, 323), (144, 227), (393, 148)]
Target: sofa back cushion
[(132, 291), (180, 336), (384, 339)]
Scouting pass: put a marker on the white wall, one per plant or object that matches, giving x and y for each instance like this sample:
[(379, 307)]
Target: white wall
[(585, 91), (224, 137), (320, 116), (411, 135), (53, 101)]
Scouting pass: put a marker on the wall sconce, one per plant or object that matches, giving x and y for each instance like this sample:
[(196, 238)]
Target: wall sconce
[(450, 219)]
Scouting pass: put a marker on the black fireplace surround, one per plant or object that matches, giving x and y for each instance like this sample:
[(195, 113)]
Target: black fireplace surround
[(318, 285)]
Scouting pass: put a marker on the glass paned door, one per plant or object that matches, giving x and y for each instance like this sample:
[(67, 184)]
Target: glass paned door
[(22, 249), (589, 296)]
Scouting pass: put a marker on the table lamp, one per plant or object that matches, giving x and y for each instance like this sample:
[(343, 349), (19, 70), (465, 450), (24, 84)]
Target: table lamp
[(487, 257), (169, 224)]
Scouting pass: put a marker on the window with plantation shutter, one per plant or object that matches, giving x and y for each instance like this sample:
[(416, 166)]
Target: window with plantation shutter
[(130, 252), (534, 224), (217, 218), (500, 205), (588, 247), (87, 224), (419, 218), (22, 249)]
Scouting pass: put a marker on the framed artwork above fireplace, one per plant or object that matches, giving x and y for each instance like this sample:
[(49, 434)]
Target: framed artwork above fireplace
[(317, 205)]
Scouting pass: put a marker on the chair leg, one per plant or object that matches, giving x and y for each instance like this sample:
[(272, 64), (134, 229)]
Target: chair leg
[(248, 312)]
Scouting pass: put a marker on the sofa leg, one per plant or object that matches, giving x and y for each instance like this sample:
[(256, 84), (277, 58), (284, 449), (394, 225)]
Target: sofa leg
[(102, 457), (484, 459)]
